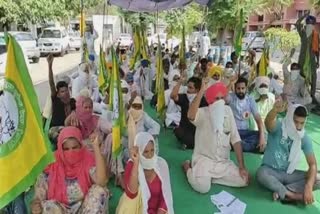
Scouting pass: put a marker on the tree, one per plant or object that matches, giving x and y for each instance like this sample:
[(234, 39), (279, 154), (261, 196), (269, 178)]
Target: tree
[(9, 12), (189, 16), (281, 39), (137, 19)]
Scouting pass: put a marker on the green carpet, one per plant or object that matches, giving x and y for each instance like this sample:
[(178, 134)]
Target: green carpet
[(258, 200)]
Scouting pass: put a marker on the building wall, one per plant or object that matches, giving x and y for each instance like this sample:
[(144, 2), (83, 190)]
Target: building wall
[(290, 16)]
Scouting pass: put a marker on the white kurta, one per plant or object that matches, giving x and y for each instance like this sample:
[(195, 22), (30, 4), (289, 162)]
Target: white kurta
[(211, 159)]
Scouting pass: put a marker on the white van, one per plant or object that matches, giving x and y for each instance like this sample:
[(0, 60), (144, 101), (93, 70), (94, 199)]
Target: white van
[(28, 44), (255, 38), (54, 40)]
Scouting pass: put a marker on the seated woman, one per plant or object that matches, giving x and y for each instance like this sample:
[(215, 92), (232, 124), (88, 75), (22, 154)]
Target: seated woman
[(147, 180), (76, 181), (138, 121)]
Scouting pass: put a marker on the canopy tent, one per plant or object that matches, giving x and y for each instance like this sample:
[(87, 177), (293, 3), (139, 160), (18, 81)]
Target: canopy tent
[(153, 5)]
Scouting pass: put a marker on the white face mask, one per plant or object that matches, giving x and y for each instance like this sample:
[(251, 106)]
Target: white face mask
[(263, 91), (191, 97), (301, 133), (294, 74), (148, 163), (228, 72), (309, 29)]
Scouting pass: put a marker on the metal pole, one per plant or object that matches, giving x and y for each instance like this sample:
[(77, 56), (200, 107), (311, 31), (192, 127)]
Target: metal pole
[(103, 23)]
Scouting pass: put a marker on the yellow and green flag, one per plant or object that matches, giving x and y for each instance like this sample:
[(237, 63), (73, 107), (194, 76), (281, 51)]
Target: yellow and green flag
[(82, 23), (182, 48), (137, 49), (24, 148), (239, 34), (161, 106), (263, 63), (116, 106), (103, 77)]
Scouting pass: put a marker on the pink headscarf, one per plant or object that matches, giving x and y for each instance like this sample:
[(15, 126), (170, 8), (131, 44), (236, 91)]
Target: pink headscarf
[(214, 90), (88, 120), (73, 164)]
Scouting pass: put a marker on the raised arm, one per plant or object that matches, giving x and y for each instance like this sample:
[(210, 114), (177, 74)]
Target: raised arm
[(51, 79), (271, 119), (175, 91), (101, 174), (193, 109)]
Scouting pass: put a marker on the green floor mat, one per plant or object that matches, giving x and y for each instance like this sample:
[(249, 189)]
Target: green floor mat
[(258, 200)]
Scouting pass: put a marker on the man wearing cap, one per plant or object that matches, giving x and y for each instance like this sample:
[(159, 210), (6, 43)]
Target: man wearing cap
[(216, 132)]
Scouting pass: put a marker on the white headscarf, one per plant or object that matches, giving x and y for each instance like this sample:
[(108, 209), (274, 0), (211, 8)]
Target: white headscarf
[(217, 114), (289, 130), (159, 166)]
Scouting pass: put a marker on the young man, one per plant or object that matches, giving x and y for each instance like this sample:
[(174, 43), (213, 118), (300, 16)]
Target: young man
[(62, 104), (243, 107), (215, 132), (186, 131), (286, 141)]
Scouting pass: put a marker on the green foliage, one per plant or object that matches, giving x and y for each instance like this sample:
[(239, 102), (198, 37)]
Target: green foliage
[(281, 39), (189, 16), (137, 19), (41, 10)]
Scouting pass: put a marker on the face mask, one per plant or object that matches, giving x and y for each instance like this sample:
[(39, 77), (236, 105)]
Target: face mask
[(136, 114), (148, 163), (309, 29), (125, 98), (73, 157), (191, 97), (228, 72), (294, 74), (263, 91), (301, 133)]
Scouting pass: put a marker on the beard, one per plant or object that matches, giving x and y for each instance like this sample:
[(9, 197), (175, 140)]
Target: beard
[(241, 95)]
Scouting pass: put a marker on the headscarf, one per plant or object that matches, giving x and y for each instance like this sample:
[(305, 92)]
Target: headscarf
[(171, 75), (134, 117), (215, 70), (159, 165), (62, 169), (88, 121), (289, 130), (144, 63), (262, 80), (216, 107)]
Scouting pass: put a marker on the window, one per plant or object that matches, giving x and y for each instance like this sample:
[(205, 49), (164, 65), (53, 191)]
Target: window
[(302, 13), (23, 37), (51, 34), (260, 18)]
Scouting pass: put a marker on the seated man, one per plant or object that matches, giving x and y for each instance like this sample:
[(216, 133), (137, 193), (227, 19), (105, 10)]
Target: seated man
[(215, 131), (264, 99), (243, 106), (286, 141), (186, 131), (62, 105), (294, 87)]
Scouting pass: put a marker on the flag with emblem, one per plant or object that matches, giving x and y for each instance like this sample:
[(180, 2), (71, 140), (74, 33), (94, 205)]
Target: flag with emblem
[(24, 148), (116, 106)]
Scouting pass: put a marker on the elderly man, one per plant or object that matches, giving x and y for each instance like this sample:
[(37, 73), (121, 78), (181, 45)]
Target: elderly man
[(216, 130), (287, 141)]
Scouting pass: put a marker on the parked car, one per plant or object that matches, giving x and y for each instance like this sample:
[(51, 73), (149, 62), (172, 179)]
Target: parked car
[(28, 44), (255, 38), (125, 40), (3, 56), (54, 40), (75, 40)]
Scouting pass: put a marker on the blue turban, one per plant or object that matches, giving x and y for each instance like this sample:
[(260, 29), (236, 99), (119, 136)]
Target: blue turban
[(144, 63), (311, 20), (91, 57), (129, 77)]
